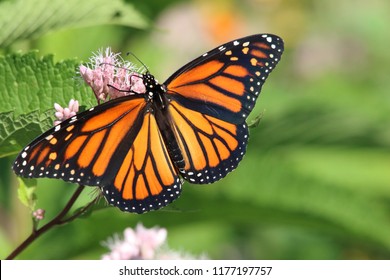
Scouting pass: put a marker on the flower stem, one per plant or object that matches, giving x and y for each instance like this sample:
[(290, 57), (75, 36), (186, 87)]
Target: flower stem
[(58, 220)]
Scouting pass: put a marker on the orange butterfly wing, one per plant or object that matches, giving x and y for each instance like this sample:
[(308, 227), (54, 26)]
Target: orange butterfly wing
[(109, 146), (210, 99), (133, 147), (147, 179)]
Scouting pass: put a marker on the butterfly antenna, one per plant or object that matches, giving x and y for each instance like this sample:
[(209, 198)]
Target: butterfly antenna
[(139, 60)]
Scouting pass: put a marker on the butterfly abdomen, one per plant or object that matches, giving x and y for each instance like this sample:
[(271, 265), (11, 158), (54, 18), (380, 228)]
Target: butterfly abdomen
[(164, 121)]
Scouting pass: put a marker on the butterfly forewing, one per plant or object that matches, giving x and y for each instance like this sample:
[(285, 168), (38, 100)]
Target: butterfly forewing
[(81, 149), (226, 81)]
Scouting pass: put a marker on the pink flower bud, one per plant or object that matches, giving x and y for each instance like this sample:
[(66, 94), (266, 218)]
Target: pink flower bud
[(39, 214), (62, 114)]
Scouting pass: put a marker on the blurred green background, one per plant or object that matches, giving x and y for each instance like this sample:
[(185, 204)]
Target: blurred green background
[(315, 182)]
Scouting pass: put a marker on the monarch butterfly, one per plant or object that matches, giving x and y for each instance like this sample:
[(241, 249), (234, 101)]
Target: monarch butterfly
[(137, 148)]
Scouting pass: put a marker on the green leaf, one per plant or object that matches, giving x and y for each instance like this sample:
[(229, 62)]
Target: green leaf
[(16, 132), (29, 19), (26, 192), (29, 86)]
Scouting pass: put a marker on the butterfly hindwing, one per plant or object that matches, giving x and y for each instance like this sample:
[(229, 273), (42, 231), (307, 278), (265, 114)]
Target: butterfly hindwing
[(210, 147), (147, 179)]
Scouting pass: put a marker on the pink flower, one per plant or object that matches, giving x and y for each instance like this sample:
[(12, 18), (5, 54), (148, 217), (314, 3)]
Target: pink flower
[(141, 243), (109, 76), (62, 114), (149, 240)]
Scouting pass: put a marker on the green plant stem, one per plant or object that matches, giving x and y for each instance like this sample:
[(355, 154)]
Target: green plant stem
[(58, 220)]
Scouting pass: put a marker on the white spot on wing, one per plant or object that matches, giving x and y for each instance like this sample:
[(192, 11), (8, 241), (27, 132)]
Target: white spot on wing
[(73, 119)]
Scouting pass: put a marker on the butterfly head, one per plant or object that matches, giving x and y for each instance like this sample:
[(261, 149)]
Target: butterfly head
[(152, 86)]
